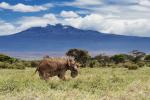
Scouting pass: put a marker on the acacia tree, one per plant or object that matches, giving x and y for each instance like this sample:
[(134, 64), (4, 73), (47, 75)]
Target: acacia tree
[(81, 56), (5, 58), (137, 55), (103, 59), (119, 58), (147, 58)]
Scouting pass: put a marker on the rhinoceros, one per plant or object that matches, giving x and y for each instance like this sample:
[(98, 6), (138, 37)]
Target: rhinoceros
[(50, 67)]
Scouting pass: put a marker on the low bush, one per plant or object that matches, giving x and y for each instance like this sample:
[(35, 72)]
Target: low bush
[(26, 63), (17, 65), (5, 58), (130, 66), (112, 65), (141, 64), (147, 57), (4, 65), (34, 63), (133, 67), (119, 58), (120, 65), (93, 63), (147, 64)]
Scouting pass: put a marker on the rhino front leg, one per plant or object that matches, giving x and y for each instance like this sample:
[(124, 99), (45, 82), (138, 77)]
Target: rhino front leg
[(62, 76)]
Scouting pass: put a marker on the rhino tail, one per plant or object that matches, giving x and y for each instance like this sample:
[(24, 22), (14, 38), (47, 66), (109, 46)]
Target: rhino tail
[(35, 71)]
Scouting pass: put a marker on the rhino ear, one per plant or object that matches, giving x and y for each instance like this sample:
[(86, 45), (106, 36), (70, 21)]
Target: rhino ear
[(78, 65)]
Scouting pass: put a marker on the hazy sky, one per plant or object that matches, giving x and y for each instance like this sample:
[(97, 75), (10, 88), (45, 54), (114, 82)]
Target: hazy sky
[(125, 17)]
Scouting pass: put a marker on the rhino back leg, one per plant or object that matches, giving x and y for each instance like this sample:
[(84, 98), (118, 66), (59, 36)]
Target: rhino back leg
[(45, 76), (41, 75)]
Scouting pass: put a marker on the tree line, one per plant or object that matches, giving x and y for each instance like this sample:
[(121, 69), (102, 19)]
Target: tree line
[(132, 60)]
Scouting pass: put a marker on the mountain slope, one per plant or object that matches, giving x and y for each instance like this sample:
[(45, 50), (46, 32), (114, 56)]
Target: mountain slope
[(61, 38)]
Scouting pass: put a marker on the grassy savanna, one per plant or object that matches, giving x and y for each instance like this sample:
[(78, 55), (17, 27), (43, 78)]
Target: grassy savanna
[(91, 84)]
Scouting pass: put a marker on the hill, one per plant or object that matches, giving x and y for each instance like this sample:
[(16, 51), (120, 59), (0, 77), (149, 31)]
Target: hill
[(59, 38)]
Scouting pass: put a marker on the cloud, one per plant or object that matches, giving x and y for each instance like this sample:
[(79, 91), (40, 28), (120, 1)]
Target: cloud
[(111, 24), (6, 28), (68, 14), (99, 22), (83, 3), (27, 22), (86, 2), (24, 8), (144, 3), (132, 8), (97, 3), (125, 17), (120, 2), (37, 21)]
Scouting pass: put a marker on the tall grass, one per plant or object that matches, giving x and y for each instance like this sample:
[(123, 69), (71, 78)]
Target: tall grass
[(91, 84)]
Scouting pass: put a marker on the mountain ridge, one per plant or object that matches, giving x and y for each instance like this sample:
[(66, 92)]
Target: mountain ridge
[(68, 27), (61, 38)]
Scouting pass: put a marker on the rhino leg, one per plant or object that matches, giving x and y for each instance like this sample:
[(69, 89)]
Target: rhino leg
[(43, 75), (62, 76), (46, 76)]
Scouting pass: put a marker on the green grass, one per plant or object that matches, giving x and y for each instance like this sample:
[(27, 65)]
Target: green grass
[(91, 84)]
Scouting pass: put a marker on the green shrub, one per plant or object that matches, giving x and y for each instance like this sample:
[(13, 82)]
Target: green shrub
[(112, 65), (147, 64), (120, 65), (26, 63), (2, 65), (34, 63), (131, 66), (17, 65), (141, 64), (125, 65), (119, 58), (5, 58), (147, 57), (94, 63), (104, 60), (80, 56)]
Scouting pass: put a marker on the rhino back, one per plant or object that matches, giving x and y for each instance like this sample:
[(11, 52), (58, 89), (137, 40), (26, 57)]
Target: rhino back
[(52, 66)]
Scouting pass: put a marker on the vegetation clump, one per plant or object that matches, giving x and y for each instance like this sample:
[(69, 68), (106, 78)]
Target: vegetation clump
[(132, 60), (119, 58), (147, 58), (17, 65), (81, 56), (131, 66), (5, 58), (94, 63)]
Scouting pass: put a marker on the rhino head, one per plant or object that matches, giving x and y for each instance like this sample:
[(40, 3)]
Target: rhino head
[(73, 67)]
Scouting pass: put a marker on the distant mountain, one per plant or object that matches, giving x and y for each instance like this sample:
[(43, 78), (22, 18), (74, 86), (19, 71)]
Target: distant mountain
[(60, 38)]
